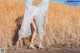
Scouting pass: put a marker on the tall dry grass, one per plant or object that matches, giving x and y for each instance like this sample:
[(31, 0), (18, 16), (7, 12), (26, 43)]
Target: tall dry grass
[(10, 10), (63, 27)]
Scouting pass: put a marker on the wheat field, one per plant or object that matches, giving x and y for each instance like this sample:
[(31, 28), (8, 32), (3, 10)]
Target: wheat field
[(63, 27)]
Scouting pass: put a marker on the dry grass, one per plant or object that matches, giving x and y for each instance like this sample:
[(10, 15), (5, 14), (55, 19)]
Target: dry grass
[(63, 27), (10, 10)]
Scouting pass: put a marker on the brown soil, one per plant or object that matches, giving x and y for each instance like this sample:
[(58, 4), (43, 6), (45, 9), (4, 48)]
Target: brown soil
[(44, 51)]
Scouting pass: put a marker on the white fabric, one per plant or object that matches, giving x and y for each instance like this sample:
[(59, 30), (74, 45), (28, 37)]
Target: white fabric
[(30, 11)]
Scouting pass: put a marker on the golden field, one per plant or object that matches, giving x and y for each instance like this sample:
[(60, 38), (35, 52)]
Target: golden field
[(63, 27)]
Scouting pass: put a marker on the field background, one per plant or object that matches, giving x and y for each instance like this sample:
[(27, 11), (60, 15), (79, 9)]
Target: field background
[(63, 29)]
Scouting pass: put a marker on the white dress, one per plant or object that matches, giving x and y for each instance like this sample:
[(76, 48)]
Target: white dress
[(30, 11)]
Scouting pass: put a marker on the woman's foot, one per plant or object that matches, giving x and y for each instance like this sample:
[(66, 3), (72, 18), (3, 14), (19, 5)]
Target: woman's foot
[(32, 46), (41, 46)]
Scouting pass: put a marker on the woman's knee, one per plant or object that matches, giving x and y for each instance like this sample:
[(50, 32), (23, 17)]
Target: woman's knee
[(34, 25)]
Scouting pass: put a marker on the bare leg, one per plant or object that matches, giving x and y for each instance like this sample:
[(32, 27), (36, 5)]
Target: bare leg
[(33, 36), (19, 43), (41, 33), (41, 45), (41, 36)]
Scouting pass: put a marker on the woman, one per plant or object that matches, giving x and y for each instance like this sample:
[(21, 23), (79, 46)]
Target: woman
[(31, 11)]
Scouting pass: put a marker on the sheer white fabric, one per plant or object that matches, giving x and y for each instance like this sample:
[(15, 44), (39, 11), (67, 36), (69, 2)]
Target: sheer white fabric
[(30, 11)]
